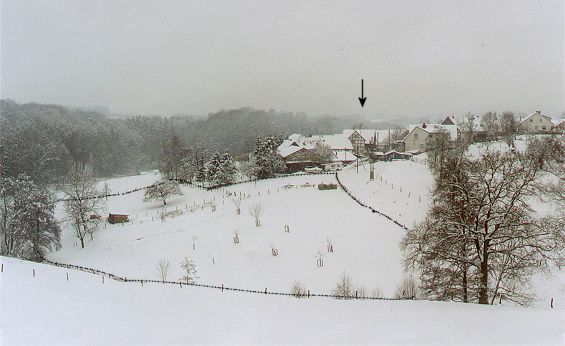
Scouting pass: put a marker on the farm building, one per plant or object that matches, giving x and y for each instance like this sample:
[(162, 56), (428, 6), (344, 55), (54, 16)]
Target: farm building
[(395, 155), (117, 218)]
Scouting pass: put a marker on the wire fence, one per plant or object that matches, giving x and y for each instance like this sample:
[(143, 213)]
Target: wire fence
[(187, 183), (305, 294), (367, 206)]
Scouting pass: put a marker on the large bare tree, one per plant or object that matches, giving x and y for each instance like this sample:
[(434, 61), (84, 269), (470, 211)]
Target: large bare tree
[(82, 204), (481, 238)]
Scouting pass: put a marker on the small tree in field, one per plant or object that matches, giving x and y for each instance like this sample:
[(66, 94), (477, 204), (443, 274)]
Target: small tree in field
[(407, 289), (256, 210), (189, 269), (163, 268), (298, 290), (344, 287), (162, 191), (237, 203)]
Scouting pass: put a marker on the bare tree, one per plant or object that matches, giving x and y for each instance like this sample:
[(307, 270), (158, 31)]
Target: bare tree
[(489, 123), (237, 203), (377, 293), (467, 128), (82, 204), (162, 191), (163, 268), (407, 289), (323, 152), (298, 290), (344, 287), (508, 127), (256, 211), (189, 269), (481, 237)]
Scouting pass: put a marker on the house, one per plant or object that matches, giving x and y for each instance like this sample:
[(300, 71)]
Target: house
[(117, 218), (421, 136), (558, 125), (297, 158), (300, 151), (536, 123)]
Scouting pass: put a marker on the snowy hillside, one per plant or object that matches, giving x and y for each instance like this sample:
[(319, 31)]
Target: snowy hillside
[(49, 310)]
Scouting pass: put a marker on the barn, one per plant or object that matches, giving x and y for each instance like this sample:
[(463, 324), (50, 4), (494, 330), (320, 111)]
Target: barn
[(395, 155), (117, 218)]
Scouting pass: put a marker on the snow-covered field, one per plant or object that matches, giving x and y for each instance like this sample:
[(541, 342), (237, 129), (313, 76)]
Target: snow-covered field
[(49, 310), (365, 244)]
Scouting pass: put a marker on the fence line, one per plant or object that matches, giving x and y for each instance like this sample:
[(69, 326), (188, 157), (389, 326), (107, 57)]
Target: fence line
[(118, 278), (184, 182), (367, 206)]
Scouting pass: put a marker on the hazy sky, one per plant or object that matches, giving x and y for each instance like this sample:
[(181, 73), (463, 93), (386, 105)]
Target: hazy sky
[(166, 57)]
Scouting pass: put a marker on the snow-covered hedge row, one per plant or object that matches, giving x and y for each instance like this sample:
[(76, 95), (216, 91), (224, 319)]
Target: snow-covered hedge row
[(366, 206)]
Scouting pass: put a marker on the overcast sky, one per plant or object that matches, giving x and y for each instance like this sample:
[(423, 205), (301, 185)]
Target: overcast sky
[(167, 57)]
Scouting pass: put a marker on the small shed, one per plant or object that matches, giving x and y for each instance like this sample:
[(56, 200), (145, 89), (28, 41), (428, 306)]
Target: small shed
[(395, 155), (117, 218)]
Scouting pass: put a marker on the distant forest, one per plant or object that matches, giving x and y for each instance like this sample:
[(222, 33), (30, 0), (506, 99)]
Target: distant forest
[(47, 141)]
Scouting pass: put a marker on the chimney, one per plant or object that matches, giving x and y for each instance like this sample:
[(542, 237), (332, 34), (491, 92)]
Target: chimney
[(424, 125)]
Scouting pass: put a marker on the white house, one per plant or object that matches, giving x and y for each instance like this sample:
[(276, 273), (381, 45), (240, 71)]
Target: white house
[(420, 136), (536, 122)]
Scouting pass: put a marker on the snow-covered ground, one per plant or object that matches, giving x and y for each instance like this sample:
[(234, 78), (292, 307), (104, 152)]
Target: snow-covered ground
[(49, 310)]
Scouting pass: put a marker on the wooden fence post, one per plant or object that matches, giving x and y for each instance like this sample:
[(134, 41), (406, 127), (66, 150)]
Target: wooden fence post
[(67, 276), (2, 268), (33, 272), (222, 287)]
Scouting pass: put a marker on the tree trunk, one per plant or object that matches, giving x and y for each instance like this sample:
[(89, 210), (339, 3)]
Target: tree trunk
[(483, 290), (465, 283), (82, 242), (164, 202)]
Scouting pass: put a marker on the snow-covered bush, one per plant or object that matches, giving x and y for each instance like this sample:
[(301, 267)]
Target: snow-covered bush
[(298, 290)]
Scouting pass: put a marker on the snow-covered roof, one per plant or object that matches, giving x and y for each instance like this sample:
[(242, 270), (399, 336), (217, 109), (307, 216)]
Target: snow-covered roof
[(435, 128), (335, 142), (534, 113), (294, 136), (289, 150), (557, 122), (370, 135), (398, 152)]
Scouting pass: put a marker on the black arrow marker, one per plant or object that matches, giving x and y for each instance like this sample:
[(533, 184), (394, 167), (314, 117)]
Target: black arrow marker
[(362, 99)]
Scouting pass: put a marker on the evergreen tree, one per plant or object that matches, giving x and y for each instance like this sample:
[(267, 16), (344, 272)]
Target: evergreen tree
[(28, 226), (227, 170), (213, 169), (266, 161), (42, 233)]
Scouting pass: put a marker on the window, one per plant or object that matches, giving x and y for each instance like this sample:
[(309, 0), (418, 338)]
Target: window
[(543, 127), (536, 127), (531, 120)]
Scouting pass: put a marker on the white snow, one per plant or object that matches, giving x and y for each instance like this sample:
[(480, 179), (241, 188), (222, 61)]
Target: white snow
[(49, 310)]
